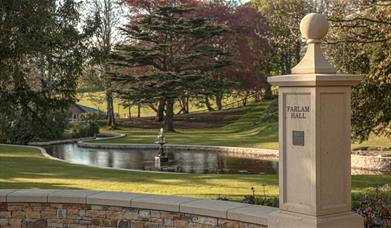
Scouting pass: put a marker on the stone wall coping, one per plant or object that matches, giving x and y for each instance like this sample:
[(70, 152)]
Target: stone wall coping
[(75, 140), (252, 214), (162, 203), (214, 208), (203, 207), (71, 196), (62, 141), (120, 199)]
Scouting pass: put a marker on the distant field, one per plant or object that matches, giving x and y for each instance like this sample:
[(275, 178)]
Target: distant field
[(97, 100)]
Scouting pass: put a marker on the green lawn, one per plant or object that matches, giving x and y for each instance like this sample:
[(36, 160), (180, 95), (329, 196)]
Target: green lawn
[(22, 168), (249, 131)]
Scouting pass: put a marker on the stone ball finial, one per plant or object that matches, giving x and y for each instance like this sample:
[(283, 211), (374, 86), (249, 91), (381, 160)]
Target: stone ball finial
[(314, 27)]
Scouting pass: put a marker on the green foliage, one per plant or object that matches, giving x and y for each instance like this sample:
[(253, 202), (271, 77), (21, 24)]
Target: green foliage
[(359, 42), (88, 127), (92, 116), (263, 200), (283, 17), (371, 109), (41, 55), (23, 129), (84, 129)]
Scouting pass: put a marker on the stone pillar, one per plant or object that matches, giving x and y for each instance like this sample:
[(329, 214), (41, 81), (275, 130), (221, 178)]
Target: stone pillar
[(314, 136)]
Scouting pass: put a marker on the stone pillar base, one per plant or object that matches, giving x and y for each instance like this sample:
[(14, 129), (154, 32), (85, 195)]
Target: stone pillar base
[(284, 219)]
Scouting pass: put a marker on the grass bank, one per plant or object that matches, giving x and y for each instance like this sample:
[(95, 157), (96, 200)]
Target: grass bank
[(22, 168), (251, 130)]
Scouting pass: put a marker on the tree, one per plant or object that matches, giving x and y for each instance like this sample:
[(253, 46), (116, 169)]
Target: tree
[(173, 50), (360, 42), (42, 50), (248, 47), (109, 14), (284, 17)]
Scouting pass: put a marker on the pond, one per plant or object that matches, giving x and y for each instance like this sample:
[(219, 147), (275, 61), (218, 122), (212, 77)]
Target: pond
[(180, 161)]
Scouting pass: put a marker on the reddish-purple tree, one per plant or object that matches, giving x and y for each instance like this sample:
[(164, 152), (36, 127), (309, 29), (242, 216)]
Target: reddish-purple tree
[(248, 47)]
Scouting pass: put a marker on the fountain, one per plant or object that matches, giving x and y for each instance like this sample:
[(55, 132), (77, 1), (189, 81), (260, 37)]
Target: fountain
[(162, 156)]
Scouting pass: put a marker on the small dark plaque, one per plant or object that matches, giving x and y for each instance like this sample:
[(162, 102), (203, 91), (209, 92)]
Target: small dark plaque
[(298, 138)]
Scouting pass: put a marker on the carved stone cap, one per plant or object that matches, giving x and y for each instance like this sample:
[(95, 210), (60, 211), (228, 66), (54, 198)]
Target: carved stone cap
[(314, 28)]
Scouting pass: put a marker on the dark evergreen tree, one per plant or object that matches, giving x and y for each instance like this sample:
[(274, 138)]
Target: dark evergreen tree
[(41, 56), (168, 56)]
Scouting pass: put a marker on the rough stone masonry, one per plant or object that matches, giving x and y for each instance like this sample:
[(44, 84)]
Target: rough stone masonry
[(37, 215)]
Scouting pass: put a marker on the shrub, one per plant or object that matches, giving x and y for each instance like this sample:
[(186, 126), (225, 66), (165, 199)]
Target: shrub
[(89, 126), (24, 128), (374, 206), (261, 200)]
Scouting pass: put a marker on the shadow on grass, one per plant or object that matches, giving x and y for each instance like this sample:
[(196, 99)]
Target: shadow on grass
[(21, 169), (25, 168)]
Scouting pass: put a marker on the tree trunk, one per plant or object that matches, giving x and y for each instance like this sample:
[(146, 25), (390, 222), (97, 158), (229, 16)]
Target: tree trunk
[(187, 105), (297, 52), (160, 111), (288, 62), (184, 103), (282, 64), (257, 95), (219, 101), (138, 110), (110, 110), (130, 112), (169, 118), (245, 99), (268, 91), (208, 105)]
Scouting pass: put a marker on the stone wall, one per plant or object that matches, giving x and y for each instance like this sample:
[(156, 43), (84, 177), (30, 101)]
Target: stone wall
[(376, 163), (81, 208)]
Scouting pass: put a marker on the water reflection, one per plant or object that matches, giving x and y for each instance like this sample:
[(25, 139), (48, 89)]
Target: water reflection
[(180, 161)]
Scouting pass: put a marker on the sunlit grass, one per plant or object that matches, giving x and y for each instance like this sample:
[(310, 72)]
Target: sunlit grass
[(251, 130), (22, 168)]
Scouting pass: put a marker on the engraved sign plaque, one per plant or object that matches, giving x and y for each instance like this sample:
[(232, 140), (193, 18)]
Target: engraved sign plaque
[(298, 138)]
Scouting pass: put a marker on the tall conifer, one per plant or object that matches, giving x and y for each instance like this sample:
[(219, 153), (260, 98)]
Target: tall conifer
[(168, 55)]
